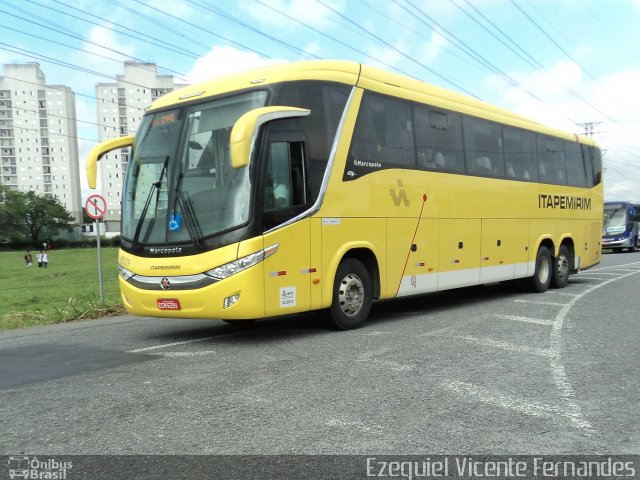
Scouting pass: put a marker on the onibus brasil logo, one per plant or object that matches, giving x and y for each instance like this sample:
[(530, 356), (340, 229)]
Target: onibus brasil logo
[(33, 467)]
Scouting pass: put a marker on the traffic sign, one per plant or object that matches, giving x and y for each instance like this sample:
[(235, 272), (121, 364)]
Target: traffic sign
[(96, 206)]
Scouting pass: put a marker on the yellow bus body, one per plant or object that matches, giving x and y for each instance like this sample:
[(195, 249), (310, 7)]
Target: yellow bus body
[(420, 231)]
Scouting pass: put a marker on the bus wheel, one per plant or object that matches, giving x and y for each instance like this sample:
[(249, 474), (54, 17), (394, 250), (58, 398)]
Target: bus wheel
[(561, 268), (352, 294), (542, 276)]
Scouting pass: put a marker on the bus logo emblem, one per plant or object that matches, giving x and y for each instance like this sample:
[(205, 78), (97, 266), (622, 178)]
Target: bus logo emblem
[(165, 283), (400, 196)]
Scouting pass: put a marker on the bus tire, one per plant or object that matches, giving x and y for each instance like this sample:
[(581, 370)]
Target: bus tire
[(352, 295), (561, 268), (541, 278)]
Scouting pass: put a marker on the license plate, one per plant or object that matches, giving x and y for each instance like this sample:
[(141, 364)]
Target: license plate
[(168, 304)]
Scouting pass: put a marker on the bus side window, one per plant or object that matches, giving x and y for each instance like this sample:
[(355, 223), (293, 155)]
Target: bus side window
[(520, 154), (596, 158), (552, 160), (483, 146), (588, 165), (285, 185), (576, 172), (384, 133), (438, 139)]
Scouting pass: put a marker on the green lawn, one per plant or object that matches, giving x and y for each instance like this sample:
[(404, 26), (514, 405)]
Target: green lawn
[(66, 290)]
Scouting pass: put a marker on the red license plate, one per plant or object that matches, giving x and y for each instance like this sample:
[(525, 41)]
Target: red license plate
[(168, 304)]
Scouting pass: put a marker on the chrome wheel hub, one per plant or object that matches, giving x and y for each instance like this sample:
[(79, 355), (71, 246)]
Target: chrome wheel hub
[(351, 294)]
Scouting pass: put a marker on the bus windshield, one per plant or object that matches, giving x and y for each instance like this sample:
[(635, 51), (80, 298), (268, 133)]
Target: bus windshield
[(615, 219), (180, 185)]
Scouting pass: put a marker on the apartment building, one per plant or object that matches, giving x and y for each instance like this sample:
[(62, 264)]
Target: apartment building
[(38, 136), (120, 107)]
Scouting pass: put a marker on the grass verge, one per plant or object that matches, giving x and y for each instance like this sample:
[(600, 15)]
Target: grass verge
[(68, 289)]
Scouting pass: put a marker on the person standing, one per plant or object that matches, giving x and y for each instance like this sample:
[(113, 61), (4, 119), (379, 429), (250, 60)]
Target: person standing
[(28, 259), (45, 259), (39, 258)]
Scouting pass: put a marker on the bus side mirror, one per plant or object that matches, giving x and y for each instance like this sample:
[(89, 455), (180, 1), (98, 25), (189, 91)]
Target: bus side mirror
[(101, 149), (246, 128)]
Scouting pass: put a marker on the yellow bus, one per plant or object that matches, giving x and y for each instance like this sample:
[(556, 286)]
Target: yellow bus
[(330, 184)]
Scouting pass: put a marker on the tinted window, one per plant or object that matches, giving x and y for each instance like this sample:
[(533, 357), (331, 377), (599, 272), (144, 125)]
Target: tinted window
[(596, 160), (438, 140), (588, 164), (384, 133), (551, 160), (326, 102), (483, 146), (520, 155), (576, 173)]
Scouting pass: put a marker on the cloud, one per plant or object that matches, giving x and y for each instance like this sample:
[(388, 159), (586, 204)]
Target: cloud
[(406, 49), (102, 42), (612, 100), (224, 60)]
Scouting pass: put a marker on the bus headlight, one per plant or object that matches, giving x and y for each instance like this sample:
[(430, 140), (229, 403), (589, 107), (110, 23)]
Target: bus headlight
[(231, 268), (124, 273)]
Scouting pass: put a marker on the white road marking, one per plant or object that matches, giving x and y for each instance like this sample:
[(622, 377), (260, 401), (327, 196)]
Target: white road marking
[(589, 277), (506, 346), (556, 292), (621, 270), (570, 410), (539, 302), (174, 344), (198, 340), (557, 368), (509, 402), (613, 267), (518, 318), (184, 354), (590, 272)]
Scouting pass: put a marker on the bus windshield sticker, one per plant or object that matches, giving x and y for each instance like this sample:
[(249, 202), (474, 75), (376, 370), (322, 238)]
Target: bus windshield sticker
[(175, 222)]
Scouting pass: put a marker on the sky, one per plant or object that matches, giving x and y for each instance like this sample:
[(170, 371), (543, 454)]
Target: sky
[(565, 63)]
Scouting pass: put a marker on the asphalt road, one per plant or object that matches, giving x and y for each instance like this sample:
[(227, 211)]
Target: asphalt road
[(481, 370)]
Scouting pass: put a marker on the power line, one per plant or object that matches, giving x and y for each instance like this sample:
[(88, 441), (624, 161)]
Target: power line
[(589, 128), (223, 14), (63, 90), (520, 52), (67, 65), (59, 43), (136, 34), (468, 50), (384, 42), (552, 40), (77, 37), (222, 37)]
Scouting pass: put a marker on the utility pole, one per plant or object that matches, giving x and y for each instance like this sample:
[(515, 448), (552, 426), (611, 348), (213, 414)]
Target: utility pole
[(589, 128)]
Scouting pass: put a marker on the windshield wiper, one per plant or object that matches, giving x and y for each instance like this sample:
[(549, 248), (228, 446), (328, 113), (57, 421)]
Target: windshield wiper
[(192, 224), (155, 186), (190, 219)]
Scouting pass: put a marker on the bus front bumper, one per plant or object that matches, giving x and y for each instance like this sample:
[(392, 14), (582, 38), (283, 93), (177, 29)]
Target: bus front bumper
[(616, 242), (239, 297)]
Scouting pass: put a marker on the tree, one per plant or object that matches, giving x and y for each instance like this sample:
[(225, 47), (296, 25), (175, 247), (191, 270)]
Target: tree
[(28, 215)]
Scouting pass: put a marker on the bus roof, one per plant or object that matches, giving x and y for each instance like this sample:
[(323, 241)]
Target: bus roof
[(352, 73)]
